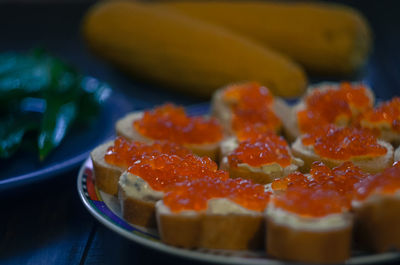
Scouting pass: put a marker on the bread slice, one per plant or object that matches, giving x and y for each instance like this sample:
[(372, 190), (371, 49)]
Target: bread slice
[(146, 181), (290, 123), (222, 109), (137, 200), (377, 222), (310, 240), (124, 127), (106, 176), (262, 174), (388, 112), (367, 164), (233, 229), (377, 211)]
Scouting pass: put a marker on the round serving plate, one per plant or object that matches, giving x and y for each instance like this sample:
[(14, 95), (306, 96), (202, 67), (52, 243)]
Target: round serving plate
[(105, 208)]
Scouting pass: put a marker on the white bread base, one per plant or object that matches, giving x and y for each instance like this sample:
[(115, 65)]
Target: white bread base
[(309, 244), (106, 176), (212, 231), (138, 207), (377, 223), (221, 110), (257, 174), (261, 175), (370, 165), (124, 127), (390, 136), (290, 124)]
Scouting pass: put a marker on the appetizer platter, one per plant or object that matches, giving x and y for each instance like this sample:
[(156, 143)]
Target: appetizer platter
[(255, 180)]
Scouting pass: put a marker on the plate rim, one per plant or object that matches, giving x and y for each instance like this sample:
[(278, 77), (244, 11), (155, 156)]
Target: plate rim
[(200, 256), (41, 174)]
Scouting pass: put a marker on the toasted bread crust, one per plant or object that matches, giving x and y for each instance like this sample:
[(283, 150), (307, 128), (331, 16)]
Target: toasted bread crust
[(377, 224), (201, 230), (106, 176), (256, 177), (284, 242), (370, 165), (288, 118), (221, 110), (235, 232), (181, 231), (124, 127), (136, 211), (397, 154)]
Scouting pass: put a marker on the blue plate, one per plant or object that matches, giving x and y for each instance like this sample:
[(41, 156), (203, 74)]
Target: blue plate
[(25, 168)]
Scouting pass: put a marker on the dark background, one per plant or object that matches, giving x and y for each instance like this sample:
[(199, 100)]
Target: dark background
[(45, 223)]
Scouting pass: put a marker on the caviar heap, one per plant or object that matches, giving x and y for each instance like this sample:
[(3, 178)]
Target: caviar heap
[(264, 149), (386, 182), (252, 109), (163, 172), (326, 191), (333, 106), (169, 122), (386, 115), (124, 152), (343, 143), (195, 194)]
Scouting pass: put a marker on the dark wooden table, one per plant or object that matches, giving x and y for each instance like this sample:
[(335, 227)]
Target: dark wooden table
[(46, 223)]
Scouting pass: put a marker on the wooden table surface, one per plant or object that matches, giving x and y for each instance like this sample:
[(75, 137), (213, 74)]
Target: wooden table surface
[(46, 223)]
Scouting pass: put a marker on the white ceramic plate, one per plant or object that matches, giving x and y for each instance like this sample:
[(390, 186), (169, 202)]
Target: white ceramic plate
[(105, 208)]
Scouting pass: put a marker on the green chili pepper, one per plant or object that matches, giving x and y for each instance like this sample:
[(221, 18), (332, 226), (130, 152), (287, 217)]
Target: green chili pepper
[(56, 121)]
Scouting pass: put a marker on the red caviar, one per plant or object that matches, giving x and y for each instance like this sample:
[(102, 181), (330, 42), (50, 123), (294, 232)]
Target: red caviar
[(388, 112), (247, 94), (261, 119), (195, 194), (169, 122), (341, 178), (326, 191), (294, 179), (386, 182), (265, 149), (124, 152), (311, 202), (252, 108), (343, 143), (163, 171), (332, 105)]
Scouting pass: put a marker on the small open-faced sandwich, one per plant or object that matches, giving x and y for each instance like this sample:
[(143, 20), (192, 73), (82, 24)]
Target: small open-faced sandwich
[(112, 158), (146, 181), (377, 211), (260, 158), (200, 134), (385, 119), (334, 145), (328, 103), (308, 218), (213, 213), (244, 105)]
